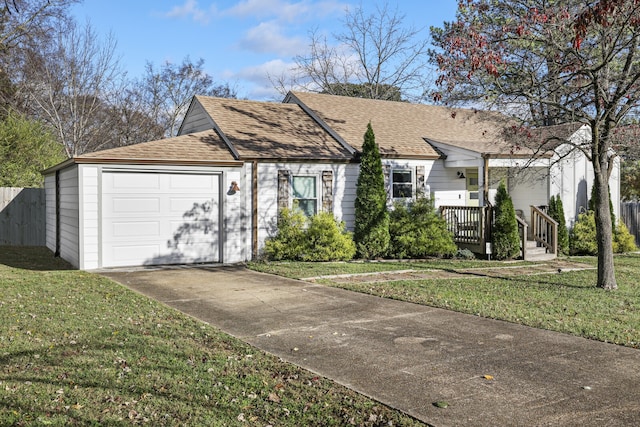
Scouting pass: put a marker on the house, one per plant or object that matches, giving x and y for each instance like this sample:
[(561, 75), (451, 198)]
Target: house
[(212, 193)]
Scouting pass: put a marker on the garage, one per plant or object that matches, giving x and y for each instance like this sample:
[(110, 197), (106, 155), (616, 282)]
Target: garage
[(154, 218)]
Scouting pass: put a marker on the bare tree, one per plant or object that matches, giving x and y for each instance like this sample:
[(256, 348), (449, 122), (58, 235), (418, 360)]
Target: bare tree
[(71, 84), (24, 25), (167, 91), (376, 57)]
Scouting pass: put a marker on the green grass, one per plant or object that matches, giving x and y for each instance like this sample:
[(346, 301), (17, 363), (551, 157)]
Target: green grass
[(79, 349), (567, 302), (299, 270)]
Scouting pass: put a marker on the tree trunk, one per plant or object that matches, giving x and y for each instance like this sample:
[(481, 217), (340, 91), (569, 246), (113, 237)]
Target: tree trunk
[(604, 230)]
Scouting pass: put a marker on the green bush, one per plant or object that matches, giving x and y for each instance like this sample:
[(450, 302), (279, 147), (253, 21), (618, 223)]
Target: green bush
[(371, 232), (327, 240), (289, 240), (556, 211), (465, 254), (417, 231), (623, 241), (506, 238), (583, 237), (320, 238)]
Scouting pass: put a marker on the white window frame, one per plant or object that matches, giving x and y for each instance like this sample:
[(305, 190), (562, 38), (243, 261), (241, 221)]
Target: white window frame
[(317, 197), (410, 182)]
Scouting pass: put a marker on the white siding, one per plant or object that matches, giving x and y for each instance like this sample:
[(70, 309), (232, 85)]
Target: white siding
[(345, 177), (614, 187), (528, 187), (237, 215), (446, 187), (89, 217), (196, 120), (50, 215), (69, 216)]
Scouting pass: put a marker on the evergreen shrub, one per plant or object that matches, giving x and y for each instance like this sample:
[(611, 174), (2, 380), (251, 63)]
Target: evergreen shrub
[(417, 231), (506, 238)]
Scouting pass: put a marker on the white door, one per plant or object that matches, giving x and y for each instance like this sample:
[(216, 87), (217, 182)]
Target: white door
[(153, 218)]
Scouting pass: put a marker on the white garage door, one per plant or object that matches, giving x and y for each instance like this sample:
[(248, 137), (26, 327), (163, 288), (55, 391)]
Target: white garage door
[(153, 218)]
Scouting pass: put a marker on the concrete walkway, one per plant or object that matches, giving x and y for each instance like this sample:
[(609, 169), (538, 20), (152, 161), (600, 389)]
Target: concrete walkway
[(490, 373)]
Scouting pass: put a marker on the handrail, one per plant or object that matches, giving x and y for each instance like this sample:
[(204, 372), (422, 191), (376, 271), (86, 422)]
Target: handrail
[(522, 229), (545, 229), (467, 223)]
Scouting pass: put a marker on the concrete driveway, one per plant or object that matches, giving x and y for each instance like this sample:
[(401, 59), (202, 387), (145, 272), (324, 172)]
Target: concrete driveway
[(408, 356)]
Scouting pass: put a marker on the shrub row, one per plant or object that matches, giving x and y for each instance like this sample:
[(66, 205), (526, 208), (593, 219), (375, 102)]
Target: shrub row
[(416, 230)]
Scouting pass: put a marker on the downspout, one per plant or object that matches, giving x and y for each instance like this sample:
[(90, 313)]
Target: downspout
[(57, 251), (254, 210), (485, 179)]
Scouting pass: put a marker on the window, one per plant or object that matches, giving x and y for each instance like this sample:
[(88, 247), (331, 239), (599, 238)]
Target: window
[(402, 183), (305, 194)]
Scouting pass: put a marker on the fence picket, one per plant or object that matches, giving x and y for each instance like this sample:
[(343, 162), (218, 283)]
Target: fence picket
[(630, 213), (22, 216)]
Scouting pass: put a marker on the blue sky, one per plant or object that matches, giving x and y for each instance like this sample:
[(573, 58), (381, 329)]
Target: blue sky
[(241, 41)]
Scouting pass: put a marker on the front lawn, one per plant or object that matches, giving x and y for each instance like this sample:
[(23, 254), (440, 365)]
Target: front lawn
[(79, 349), (565, 301)]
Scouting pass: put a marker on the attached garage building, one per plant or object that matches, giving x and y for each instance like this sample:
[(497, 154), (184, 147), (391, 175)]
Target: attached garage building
[(162, 202)]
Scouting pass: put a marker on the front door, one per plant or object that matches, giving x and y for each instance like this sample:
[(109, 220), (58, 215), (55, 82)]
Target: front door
[(473, 195)]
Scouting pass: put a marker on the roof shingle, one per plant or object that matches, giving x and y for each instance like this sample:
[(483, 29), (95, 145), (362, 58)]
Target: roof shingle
[(265, 130), (401, 128), (206, 146)]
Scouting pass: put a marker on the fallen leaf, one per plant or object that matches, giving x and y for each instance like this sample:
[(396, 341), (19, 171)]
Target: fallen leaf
[(273, 397), (488, 377), (441, 404)]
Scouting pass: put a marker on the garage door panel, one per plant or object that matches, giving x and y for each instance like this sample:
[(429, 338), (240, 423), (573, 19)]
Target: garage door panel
[(170, 224), (194, 231), (122, 254), (136, 229), (129, 205), (190, 208), (127, 182), (191, 183)]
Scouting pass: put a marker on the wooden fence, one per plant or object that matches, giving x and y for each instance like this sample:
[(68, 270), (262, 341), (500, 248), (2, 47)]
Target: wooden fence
[(630, 213), (22, 216)]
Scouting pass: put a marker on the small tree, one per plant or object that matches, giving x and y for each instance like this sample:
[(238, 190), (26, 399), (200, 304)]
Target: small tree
[(506, 239), (372, 218), (556, 211)]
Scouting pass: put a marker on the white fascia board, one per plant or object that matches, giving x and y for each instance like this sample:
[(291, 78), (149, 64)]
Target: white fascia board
[(518, 163)]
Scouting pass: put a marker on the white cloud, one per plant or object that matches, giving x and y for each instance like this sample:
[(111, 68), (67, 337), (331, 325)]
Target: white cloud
[(191, 9), (267, 37), (285, 11)]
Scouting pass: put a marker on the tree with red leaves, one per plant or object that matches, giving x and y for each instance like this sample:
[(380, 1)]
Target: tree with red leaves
[(550, 62)]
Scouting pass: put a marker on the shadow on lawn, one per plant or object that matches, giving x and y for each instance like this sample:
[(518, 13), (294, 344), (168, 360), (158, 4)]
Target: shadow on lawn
[(526, 279), (37, 258)]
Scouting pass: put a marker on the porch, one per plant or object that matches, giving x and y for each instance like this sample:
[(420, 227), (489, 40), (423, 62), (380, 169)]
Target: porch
[(471, 227)]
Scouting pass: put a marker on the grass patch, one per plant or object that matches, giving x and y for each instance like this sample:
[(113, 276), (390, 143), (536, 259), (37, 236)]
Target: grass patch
[(79, 349), (567, 302), (299, 270)]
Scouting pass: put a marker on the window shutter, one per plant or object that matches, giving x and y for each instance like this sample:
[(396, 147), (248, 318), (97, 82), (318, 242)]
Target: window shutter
[(420, 181), (327, 191), (283, 189), (386, 170)]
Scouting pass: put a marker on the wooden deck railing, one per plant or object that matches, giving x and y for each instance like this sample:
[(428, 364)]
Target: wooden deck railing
[(467, 223), (544, 229), (522, 230)]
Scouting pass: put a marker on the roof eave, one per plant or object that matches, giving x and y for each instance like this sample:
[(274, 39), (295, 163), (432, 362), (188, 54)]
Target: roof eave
[(140, 162)]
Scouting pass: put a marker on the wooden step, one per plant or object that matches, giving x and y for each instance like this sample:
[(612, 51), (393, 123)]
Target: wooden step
[(536, 253)]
